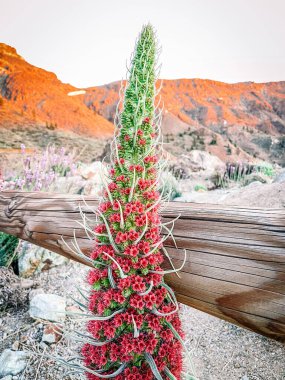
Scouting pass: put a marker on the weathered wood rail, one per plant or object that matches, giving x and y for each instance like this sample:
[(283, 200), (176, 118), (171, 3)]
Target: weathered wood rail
[(235, 267)]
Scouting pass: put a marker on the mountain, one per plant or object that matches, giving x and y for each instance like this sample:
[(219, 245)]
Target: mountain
[(241, 121), (33, 96)]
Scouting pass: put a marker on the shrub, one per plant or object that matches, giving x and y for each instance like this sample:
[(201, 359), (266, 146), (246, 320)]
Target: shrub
[(169, 186), (213, 141), (266, 169), (237, 172), (8, 245), (40, 170), (200, 187)]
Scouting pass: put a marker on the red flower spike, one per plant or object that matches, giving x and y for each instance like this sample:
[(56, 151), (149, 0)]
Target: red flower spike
[(126, 245)]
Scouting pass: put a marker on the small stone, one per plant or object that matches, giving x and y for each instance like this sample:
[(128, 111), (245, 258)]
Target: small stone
[(9, 377), (254, 184), (27, 283), (255, 177), (43, 345), (12, 362), (245, 377), (280, 178), (33, 259), (50, 307), (52, 333), (15, 345), (23, 339)]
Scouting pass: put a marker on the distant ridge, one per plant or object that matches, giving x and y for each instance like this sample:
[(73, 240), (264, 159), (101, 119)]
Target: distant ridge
[(233, 121)]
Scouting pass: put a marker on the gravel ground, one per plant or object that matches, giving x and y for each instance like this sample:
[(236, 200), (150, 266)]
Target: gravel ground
[(220, 350)]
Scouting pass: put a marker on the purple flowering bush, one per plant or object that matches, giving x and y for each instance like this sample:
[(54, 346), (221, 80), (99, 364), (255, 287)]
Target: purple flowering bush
[(40, 170)]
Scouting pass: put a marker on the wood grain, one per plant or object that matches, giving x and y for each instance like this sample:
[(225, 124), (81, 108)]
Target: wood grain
[(235, 268)]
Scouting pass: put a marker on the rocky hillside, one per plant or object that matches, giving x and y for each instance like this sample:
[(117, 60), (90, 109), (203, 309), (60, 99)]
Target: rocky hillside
[(232, 121), (241, 121), (32, 96)]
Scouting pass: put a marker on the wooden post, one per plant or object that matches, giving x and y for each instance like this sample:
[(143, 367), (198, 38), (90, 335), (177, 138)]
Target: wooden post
[(235, 267)]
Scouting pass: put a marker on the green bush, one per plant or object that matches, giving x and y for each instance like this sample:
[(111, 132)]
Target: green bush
[(200, 187), (8, 245), (169, 185), (213, 141), (266, 169)]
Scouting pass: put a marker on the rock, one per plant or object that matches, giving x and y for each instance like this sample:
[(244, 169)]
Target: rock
[(50, 307), (33, 259), (253, 177), (15, 345), (280, 178), (197, 164), (52, 333), (27, 283), (92, 170), (9, 377), (199, 160), (12, 362), (254, 184), (92, 174), (34, 292)]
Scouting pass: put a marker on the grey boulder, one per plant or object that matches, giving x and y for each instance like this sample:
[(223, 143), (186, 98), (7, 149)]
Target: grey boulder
[(12, 362), (50, 307)]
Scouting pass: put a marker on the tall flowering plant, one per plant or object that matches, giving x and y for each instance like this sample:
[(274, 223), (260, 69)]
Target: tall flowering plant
[(133, 324)]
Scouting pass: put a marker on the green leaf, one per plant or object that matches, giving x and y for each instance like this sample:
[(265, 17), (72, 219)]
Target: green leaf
[(169, 374), (97, 285), (127, 292), (153, 366)]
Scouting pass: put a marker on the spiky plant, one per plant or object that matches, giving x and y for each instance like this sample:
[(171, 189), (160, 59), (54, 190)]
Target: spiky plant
[(133, 323), (8, 245)]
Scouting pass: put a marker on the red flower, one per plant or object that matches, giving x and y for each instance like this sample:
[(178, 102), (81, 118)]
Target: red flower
[(133, 235), (131, 250), (127, 138), (112, 186), (137, 302), (115, 218)]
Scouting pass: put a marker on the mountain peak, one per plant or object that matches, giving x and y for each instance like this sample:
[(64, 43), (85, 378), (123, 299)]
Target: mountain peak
[(34, 96), (9, 51)]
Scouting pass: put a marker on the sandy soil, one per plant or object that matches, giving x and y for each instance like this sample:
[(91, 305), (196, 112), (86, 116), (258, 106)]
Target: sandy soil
[(254, 195)]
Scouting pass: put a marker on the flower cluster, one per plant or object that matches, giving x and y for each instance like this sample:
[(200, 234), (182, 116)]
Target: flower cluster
[(132, 307), (39, 170)]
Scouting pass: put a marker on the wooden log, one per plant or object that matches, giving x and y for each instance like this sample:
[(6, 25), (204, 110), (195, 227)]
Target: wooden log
[(235, 266)]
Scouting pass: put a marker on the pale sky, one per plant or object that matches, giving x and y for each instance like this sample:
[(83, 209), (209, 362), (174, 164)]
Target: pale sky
[(88, 42)]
